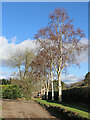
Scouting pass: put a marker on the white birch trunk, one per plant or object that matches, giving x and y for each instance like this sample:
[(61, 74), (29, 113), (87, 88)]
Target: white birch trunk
[(60, 88), (47, 94), (52, 85), (48, 86), (44, 89)]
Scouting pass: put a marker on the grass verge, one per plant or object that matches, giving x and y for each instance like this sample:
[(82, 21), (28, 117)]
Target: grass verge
[(67, 110)]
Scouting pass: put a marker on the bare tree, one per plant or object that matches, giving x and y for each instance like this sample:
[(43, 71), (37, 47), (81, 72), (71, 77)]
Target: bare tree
[(39, 70), (28, 57), (15, 61), (64, 39), (21, 60), (47, 55)]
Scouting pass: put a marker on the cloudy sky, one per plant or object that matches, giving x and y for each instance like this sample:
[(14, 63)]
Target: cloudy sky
[(20, 21)]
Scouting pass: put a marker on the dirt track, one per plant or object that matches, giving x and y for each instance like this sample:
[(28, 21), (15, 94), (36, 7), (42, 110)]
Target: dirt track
[(24, 109)]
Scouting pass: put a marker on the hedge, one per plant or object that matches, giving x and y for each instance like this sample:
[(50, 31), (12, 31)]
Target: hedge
[(11, 92), (74, 95)]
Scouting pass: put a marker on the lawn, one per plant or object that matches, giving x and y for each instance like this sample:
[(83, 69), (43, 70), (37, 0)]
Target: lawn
[(83, 113)]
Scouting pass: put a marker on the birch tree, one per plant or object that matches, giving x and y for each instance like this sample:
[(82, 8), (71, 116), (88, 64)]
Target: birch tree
[(65, 40), (47, 47), (39, 70)]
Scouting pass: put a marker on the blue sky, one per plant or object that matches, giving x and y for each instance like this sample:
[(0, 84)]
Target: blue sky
[(25, 19), (22, 20)]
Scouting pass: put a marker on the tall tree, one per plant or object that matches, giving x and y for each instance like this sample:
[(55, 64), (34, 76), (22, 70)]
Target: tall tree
[(46, 49), (22, 61), (64, 39), (28, 57), (15, 61)]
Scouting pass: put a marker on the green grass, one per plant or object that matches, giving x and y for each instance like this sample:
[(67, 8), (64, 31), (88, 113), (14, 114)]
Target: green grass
[(81, 113), (82, 107)]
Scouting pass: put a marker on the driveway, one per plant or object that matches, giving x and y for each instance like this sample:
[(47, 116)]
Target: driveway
[(29, 110)]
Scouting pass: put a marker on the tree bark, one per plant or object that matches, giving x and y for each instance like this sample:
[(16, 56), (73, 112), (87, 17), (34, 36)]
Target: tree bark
[(47, 94), (59, 88), (52, 85), (48, 85), (20, 73), (44, 89)]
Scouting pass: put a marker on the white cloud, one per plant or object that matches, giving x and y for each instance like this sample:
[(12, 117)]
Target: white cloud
[(68, 79), (7, 48), (26, 44), (1, 77), (83, 57), (3, 73)]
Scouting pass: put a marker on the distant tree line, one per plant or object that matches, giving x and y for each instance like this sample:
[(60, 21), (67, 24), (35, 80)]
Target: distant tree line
[(5, 81)]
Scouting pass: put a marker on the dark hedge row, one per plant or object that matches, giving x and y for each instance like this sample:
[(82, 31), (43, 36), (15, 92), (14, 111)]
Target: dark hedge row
[(74, 95), (77, 95)]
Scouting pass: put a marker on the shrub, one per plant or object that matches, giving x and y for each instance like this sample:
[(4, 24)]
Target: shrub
[(25, 86), (11, 92), (74, 95)]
